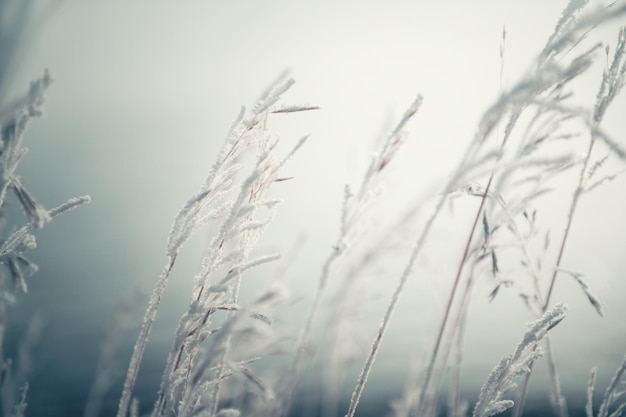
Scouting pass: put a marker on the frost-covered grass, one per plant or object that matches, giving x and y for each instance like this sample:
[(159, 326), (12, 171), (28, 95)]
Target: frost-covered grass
[(220, 362)]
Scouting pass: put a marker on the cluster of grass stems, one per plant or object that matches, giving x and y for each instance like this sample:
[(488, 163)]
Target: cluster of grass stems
[(525, 139)]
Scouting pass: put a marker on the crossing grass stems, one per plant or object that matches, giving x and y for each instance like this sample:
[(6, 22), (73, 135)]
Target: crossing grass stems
[(212, 368)]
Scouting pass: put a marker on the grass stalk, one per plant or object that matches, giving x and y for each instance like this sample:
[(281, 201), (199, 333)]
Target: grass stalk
[(142, 339), (353, 214), (613, 80), (391, 307)]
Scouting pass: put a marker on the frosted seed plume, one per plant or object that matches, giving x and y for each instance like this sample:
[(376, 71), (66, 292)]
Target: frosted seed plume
[(500, 380)]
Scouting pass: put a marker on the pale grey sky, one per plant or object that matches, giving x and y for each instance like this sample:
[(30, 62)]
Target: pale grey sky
[(145, 91)]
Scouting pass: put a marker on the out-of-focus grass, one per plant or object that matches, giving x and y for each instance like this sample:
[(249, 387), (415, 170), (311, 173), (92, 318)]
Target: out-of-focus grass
[(222, 359)]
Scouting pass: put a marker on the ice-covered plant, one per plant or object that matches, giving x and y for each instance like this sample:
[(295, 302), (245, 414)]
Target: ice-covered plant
[(355, 223), (498, 164), (614, 401), (234, 200), (538, 116), (14, 246), (501, 379)]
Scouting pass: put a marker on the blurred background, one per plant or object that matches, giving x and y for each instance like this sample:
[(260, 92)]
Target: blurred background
[(144, 94)]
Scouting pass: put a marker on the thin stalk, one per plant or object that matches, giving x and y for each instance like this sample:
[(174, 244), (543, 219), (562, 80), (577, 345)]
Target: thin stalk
[(142, 339), (296, 365), (570, 216), (391, 307), (215, 395), (362, 380), (455, 285), (612, 82), (457, 378), (466, 251), (459, 329), (352, 209)]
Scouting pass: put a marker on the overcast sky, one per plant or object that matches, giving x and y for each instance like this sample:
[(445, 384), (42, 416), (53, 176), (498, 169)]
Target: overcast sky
[(145, 91)]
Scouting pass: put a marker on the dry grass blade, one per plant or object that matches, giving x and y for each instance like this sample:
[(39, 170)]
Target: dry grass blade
[(578, 277)]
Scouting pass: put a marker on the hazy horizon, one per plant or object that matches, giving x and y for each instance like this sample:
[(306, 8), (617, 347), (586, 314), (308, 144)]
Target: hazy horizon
[(144, 94)]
